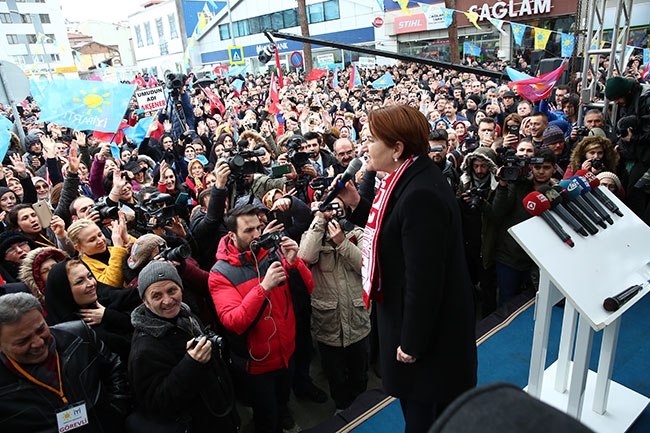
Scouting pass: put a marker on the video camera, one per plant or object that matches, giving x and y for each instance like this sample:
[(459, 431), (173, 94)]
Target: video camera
[(240, 163), (105, 210), (176, 81), (296, 157), (158, 206), (515, 167)]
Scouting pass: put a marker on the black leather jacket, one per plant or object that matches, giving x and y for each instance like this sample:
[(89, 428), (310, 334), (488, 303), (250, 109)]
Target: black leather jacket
[(90, 373)]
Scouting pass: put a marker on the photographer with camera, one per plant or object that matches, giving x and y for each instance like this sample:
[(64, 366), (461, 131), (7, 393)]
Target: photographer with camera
[(251, 286), (475, 194), (514, 267), (178, 110), (178, 378), (633, 129), (341, 323), (594, 153)]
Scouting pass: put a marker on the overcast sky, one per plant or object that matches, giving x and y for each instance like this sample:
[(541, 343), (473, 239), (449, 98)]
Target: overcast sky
[(107, 10)]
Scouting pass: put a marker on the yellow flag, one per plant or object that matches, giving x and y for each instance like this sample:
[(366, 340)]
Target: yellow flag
[(473, 18), (541, 38), (402, 4), (203, 21)]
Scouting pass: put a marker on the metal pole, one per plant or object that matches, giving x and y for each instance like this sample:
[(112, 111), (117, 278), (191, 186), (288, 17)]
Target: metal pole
[(12, 101), (232, 30), (47, 59)]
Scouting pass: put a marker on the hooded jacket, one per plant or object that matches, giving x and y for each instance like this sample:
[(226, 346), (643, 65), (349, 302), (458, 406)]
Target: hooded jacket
[(30, 269), (261, 326)]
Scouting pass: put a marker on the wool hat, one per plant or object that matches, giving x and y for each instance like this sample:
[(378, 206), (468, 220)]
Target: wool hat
[(142, 250), (11, 237), (475, 98), (157, 271), (31, 140), (617, 87), (598, 132), (611, 176), (509, 94), (552, 135)]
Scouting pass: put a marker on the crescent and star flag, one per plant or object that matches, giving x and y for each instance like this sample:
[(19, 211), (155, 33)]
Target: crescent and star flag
[(215, 102), (274, 107), (538, 88)]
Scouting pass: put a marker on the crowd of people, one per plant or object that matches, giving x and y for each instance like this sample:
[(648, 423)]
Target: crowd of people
[(207, 257)]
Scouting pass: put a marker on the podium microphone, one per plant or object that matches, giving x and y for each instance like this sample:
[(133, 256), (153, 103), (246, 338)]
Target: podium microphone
[(594, 183), (575, 211), (573, 188), (537, 205), (556, 204), (616, 302), (584, 192), (353, 167)]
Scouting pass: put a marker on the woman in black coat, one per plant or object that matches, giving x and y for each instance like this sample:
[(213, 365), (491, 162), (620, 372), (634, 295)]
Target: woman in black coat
[(414, 268), (75, 294)]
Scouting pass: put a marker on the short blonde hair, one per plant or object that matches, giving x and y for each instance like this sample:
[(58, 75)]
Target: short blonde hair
[(76, 227)]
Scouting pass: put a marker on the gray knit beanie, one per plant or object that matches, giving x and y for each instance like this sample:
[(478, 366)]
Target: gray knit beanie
[(157, 271)]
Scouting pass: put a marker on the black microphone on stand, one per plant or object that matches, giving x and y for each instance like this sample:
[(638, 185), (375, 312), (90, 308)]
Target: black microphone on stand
[(537, 205), (575, 211), (573, 188), (584, 192), (353, 167), (556, 204), (594, 183)]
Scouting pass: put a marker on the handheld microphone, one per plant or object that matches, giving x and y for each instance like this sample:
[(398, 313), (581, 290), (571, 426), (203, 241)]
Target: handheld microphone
[(616, 302), (537, 205), (353, 167), (573, 188), (594, 183), (556, 204), (575, 211), (584, 192)]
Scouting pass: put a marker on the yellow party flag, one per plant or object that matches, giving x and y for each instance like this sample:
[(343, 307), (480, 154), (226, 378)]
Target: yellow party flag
[(402, 4), (541, 38), (203, 21), (473, 18)]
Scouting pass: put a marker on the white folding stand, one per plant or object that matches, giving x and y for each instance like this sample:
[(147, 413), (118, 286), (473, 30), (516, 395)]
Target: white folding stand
[(598, 267)]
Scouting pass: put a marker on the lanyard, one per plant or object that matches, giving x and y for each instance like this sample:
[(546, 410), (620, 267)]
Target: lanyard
[(32, 379), (46, 242)]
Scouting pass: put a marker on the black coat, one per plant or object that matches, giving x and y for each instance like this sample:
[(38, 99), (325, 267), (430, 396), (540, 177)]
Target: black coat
[(168, 384), (427, 306), (90, 372)]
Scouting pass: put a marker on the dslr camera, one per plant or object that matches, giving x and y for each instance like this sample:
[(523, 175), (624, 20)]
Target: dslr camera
[(159, 206), (105, 210), (296, 157), (177, 254), (267, 241), (240, 163), (515, 167), (476, 197), (216, 340)]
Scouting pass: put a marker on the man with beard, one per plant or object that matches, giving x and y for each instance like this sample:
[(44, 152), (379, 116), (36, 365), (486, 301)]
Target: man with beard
[(59, 378), (438, 147), (475, 194)]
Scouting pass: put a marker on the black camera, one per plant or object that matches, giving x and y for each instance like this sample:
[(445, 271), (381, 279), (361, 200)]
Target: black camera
[(321, 183), (436, 148), (476, 196), (515, 167), (597, 163), (177, 254), (216, 340), (296, 157), (169, 157), (158, 206), (582, 132), (176, 81), (470, 144), (105, 210), (340, 212), (240, 163), (267, 241)]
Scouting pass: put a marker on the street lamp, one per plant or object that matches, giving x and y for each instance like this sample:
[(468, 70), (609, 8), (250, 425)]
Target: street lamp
[(42, 36)]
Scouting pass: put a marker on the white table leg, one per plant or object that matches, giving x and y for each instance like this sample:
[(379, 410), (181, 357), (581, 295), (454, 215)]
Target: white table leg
[(567, 338), (582, 355), (605, 366)]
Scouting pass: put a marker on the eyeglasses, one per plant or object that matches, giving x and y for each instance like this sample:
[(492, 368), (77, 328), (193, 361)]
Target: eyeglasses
[(17, 248), (41, 186)]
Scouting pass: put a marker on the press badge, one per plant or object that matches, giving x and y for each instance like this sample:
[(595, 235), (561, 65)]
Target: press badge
[(72, 417)]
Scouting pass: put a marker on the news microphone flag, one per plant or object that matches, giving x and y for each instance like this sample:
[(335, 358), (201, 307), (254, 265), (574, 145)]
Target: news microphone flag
[(537, 88), (84, 105)]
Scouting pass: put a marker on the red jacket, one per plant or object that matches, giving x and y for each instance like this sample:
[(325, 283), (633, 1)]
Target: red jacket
[(262, 325)]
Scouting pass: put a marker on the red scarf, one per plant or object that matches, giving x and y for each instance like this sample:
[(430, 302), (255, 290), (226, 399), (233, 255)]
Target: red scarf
[(370, 275)]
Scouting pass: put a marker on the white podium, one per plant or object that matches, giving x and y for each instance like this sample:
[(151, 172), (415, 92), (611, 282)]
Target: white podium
[(597, 267)]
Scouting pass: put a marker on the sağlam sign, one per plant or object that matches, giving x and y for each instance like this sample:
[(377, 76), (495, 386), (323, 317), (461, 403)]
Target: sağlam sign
[(510, 9)]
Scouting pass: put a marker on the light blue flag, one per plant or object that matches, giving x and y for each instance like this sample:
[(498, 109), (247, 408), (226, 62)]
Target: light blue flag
[(115, 151), (646, 56), (518, 31), (236, 70), (237, 85), (5, 124), (516, 75), (447, 15), (568, 44), (83, 104), (471, 49), (5, 135), (383, 82), (136, 133)]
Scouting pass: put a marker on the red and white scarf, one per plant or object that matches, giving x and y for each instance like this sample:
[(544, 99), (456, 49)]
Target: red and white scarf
[(370, 275)]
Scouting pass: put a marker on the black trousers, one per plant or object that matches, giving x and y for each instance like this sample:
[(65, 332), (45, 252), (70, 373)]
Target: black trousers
[(419, 417), (346, 369), (268, 395)]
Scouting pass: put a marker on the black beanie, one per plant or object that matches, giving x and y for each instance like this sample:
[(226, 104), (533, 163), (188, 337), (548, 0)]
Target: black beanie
[(11, 237)]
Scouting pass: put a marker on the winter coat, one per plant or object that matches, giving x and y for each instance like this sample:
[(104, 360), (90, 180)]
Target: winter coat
[(261, 326), (91, 373), (111, 273), (339, 314), (207, 228), (168, 384)]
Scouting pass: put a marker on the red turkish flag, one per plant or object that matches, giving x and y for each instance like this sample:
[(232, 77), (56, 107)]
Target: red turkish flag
[(274, 107), (316, 74), (112, 137), (215, 102), (139, 81)]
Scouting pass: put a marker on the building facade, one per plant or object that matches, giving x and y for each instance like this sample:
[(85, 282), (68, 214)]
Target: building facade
[(33, 35)]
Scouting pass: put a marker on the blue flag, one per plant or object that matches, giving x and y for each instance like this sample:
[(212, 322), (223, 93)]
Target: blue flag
[(518, 31), (646, 56), (516, 75), (83, 104), (5, 135), (471, 49), (447, 16), (568, 44), (237, 85), (383, 82), (136, 133), (236, 70)]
